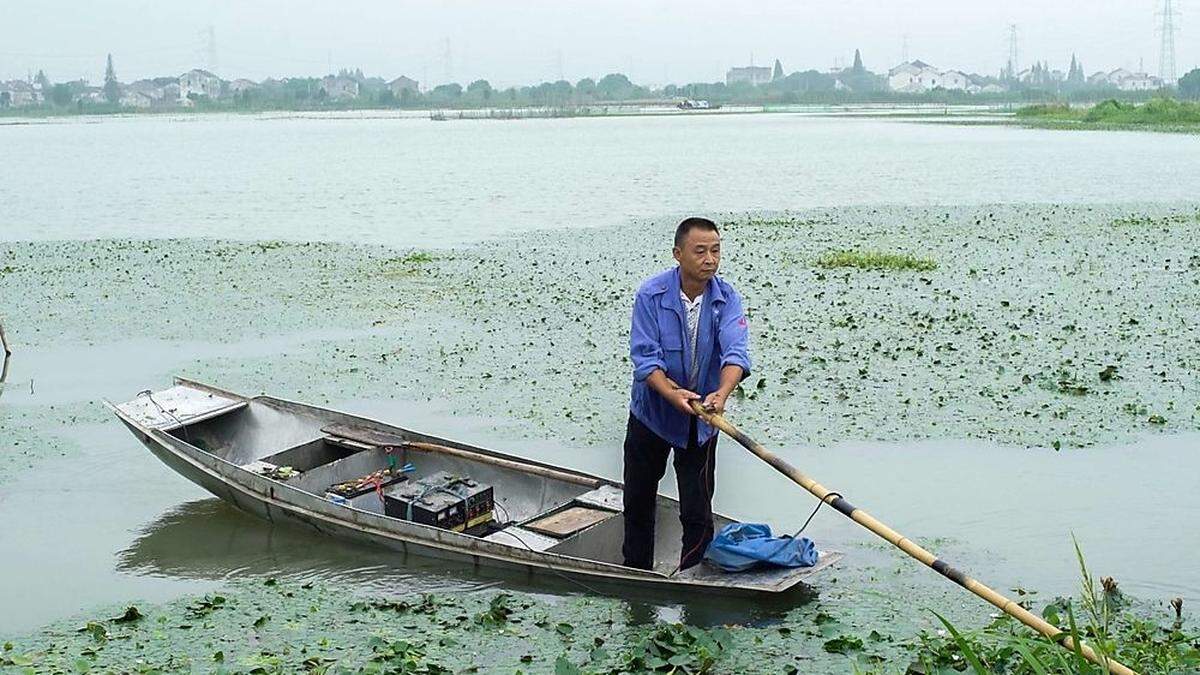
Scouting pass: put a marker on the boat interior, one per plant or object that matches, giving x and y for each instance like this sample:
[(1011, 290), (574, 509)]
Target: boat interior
[(400, 474)]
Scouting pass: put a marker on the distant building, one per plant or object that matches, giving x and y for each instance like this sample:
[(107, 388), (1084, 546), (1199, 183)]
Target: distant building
[(955, 80), (751, 74), (1125, 80), (914, 77), (20, 93), (340, 87), (196, 83), (906, 77), (132, 98), (241, 84), (402, 84), (1137, 82)]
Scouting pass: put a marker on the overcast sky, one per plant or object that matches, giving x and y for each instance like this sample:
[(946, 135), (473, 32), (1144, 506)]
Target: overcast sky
[(528, 42)]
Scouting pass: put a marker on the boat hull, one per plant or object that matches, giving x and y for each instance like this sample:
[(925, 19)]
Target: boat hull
[(282, 504)]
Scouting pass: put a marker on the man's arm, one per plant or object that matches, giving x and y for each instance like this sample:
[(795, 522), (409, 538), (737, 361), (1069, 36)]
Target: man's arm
[(734, 338), (730, 376), (4, 341)]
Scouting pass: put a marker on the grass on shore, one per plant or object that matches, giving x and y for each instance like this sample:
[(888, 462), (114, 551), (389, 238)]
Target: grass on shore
[(1158, 112), (876, 260)]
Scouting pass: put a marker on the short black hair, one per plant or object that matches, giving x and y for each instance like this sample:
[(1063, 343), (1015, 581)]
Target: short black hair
[(689, 224)]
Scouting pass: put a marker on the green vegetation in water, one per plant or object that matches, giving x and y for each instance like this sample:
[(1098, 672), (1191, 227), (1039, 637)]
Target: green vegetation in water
[(843, 353), (271, 627), (1136, 220), (875, 260), (1158, 113), (408, 264), (1101, 618)]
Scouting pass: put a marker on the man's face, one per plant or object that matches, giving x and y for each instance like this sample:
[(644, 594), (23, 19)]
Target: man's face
[(700, 255)]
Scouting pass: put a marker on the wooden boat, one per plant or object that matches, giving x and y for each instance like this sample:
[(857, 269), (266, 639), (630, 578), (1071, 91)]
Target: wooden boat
[(281, 460)]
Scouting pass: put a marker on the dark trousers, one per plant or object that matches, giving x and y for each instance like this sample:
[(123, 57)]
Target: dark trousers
[(645, 463)]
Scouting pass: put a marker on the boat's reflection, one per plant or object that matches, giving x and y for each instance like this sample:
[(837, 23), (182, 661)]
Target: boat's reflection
[(209, 539)]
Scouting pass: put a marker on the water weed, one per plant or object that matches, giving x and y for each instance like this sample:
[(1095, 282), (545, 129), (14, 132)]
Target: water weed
[(875, 260)]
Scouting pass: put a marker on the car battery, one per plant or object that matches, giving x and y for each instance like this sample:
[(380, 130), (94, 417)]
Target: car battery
[(441, 500)]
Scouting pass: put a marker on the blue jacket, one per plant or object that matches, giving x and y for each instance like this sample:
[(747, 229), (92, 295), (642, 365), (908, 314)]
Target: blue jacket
[(658, 341)]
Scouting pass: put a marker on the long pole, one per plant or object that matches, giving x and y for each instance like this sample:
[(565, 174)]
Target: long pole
[(904, 544)]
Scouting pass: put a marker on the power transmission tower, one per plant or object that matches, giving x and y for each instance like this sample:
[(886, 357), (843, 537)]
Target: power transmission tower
[(1014, 69), (904, 49), (1166, 53), (446, 61)]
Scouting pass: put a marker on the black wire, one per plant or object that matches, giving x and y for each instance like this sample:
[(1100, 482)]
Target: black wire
[(814, 513), (552, 569)]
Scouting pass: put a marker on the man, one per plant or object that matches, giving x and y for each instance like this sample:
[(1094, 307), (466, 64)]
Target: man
[(688, 342)]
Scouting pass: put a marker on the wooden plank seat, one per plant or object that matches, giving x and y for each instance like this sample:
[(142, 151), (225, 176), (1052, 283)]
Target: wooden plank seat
[(568, 521), (363, 435)]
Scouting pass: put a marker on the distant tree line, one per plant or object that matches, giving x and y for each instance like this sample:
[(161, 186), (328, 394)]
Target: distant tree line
[(855, 84)]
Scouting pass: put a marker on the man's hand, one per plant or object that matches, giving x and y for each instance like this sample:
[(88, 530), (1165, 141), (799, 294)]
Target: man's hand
[(675, 394), (715, 402), (681, 398)]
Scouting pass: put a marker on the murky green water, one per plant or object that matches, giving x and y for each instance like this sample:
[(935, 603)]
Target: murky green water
[(91, 518)]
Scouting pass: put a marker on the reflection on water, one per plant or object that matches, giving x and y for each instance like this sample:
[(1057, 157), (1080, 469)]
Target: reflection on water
[(209, 539)]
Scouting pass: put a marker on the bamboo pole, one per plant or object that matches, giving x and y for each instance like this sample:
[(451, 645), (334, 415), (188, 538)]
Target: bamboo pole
[(544, 472), (904, 544)]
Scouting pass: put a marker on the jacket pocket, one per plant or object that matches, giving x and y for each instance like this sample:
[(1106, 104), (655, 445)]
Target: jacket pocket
[(672, 346)]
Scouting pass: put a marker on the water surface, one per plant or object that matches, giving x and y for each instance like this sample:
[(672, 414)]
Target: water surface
[(414, 182)]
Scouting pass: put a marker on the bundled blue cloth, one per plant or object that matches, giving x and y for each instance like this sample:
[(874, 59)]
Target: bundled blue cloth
[(742, 546)]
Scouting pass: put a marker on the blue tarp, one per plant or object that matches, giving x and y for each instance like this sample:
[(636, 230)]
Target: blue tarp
[(742, 546)]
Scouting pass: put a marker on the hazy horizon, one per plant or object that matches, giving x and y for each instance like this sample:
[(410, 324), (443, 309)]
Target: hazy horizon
[(653, 42)]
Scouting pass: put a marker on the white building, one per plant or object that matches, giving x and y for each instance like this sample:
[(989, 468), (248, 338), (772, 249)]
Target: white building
[(340, 87), (917, 76), (1138, 82), (956, 80), (20, 93), (241, 84), (402, 84), (751, 74), (1126, 80), (198, 82), (133, 98)]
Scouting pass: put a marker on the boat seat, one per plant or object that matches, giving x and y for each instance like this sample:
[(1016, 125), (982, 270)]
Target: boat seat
[(521, 538), (362, 436), (566, 522)]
